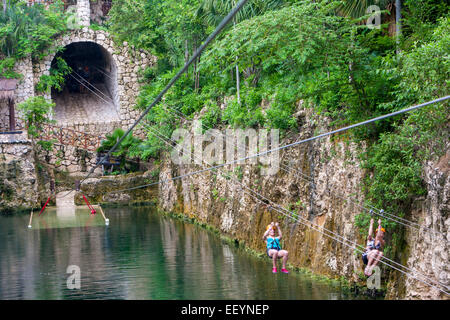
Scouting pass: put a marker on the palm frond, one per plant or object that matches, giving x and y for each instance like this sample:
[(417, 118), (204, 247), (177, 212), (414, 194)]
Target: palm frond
[(357, 8), (214, 11)]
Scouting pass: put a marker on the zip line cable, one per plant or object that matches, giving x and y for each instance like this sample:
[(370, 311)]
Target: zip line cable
[(392, 217), (304, 140), (306, 178), (104, 72), (177, 144), (359, 250), (89, 89), (90, 84), (197, 53), (193, 58), (221, 26), (285, 146), (289, 169), (98, 90), (320, 227)]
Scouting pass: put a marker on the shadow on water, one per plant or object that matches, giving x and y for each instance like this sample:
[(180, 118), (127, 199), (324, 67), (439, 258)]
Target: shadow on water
[(140, 255)]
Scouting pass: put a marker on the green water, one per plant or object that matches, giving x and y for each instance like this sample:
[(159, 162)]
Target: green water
[(140, 255)]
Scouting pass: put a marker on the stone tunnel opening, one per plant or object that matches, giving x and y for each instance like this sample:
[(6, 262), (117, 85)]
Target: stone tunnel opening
[(89, 93)]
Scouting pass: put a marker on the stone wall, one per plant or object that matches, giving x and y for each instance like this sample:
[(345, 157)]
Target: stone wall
[(102, 189), (4, 116), (83, 12), (100, 128), (78, 158), (126, 65), (24, 90), (69, 159)]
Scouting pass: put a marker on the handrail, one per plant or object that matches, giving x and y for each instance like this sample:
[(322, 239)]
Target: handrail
[(68, 136)]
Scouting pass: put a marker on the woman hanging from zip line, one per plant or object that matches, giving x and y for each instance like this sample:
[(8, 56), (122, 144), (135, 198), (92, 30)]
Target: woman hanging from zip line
[(273, 246), (374, 248)]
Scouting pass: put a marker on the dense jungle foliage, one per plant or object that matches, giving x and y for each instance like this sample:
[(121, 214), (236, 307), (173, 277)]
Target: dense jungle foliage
[(281, 52), (319, 51), (28, 31)]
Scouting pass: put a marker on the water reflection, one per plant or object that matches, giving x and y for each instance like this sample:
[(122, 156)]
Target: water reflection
[(140, 255), (66, 212)]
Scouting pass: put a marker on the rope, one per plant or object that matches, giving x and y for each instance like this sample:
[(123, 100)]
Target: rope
[(360, 251), (345, 239), (308, 179), (103, 72), (378, 212), (221, 26), (194, 57), (393, 217), (352, 247), (295, 143), (94, 87), (108, 102)]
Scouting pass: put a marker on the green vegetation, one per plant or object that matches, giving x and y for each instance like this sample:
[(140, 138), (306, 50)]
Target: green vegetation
[(56, 77), (28, 30), (274, 54), (36, 112), (321, 52), (123, 151), (396, 158)]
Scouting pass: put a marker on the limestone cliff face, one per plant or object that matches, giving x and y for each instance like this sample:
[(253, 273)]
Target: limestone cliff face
[(116, 189), (18, 179), (336, 175), (225, 204), (429, 249)]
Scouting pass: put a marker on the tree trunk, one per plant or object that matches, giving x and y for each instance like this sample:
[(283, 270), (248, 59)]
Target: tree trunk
[(238, 80), (195, 71), (186, 55), (4, 6), (398, 23), (197, 75), (12, 115)]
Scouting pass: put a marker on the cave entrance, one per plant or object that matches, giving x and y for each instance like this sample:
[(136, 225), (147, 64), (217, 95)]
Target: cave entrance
[(90, 90)]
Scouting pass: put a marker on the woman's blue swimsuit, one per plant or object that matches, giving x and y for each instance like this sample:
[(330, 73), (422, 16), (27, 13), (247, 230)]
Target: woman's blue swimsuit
[(273, 243)]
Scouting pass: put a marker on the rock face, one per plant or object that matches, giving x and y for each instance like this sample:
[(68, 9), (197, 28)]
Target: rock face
[(330, 200), (429, 248), (230, 207), (107, 189), (18, 182)]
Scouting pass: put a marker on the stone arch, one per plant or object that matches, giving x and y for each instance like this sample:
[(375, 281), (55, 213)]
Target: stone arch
[(90, 90), (82, 40), (127, 62)]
